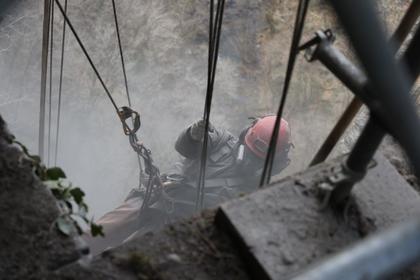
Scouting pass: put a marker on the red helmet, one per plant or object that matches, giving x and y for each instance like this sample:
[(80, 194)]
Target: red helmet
[(257, 138)]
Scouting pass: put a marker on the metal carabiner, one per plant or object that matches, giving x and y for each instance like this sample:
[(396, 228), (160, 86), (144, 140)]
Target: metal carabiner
[(125, 113)]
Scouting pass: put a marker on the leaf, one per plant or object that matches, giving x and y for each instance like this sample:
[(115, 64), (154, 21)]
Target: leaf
[(96, 230), (78, 195), (64, 226), (55, 173)]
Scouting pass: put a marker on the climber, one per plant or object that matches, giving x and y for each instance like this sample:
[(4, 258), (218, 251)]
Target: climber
[(233, 163), (234, 166)]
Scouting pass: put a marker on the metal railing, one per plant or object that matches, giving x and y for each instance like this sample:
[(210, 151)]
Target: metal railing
[(384, 87)]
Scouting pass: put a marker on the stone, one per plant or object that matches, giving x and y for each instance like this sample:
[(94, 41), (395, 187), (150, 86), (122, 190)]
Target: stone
[(282, 229)]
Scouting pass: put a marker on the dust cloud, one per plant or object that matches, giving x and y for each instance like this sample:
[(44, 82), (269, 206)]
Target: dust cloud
[(165, 47)]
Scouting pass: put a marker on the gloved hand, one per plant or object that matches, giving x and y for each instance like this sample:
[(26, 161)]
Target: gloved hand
[(197, 130)]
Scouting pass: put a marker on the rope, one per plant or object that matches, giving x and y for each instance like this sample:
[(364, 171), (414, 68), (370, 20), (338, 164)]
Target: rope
[(149, 185), (121, 52), (87, 55), (125, 77), (44, 68), (214, 39), (151, 170), (51, 79), (297, 33), (60, 87)]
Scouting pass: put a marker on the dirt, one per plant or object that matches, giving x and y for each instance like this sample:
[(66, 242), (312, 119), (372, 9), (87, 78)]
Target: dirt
[(191, 249), (393, 152)]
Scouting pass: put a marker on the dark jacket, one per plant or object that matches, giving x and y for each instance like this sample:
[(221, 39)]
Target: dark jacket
[(222, 169)]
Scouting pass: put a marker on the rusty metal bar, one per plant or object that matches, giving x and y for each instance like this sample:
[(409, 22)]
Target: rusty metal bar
[(407, 22), (385, 254), (373, 133), (338, 130), (358, 161), (402, 31)]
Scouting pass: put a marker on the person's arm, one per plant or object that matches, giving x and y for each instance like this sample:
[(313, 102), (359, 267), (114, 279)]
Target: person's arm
[(187, 146), (189, 142)]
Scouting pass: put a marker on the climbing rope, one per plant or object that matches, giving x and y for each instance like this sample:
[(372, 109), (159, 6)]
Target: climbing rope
[(87, 56), (51, 79), (123, 113), (294, 50), (121, 52), (60, 86), (117, 28), (44, 70), (126, 112), (214, 39)]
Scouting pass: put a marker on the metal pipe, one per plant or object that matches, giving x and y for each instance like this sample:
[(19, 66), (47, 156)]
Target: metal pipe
[(366, 146), (355, 80), (397, 249), (376, 257), (373, 133), (385, 75), (412, 56), (400, 34), (350, 75), (5, 5), (359, 159)]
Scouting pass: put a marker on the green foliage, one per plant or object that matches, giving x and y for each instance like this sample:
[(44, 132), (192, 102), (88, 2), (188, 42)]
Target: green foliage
[(55, 173), (67, 197), (96, 229)]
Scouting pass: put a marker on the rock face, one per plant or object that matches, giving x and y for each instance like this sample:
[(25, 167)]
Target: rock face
[(31, 247)]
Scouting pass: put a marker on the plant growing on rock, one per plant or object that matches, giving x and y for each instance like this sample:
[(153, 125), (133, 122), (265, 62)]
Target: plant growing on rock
[(70, 199)]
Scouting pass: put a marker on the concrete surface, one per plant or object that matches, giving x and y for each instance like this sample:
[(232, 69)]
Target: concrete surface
[(281, 229)]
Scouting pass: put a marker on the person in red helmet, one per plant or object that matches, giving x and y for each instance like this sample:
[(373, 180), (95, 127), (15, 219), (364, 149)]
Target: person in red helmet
[(234, 166), (258, 136), (234, 163)]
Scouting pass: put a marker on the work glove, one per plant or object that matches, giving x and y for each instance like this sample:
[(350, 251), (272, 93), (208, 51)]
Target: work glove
[(197, 130)]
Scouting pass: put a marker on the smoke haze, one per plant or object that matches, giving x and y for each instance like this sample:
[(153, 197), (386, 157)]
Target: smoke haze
[(165, 47)]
